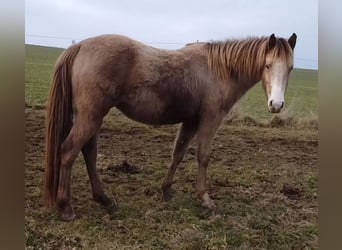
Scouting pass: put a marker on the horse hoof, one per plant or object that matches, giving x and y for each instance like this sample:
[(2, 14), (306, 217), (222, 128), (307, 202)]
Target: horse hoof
[(65, 210), (208, 203), (111, 207), (109, 204), (68, 214), (104, 201), (68, 217)]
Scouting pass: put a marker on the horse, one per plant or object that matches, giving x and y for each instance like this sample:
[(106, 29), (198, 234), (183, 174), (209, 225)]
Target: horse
[(195, 86)]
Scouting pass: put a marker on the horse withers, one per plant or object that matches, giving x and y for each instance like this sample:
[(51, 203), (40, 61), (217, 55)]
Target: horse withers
[(195, 86)]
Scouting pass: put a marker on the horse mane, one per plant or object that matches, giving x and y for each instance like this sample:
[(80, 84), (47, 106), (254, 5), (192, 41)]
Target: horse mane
[(237, 58)]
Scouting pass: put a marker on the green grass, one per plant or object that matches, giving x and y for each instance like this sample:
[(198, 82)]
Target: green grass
[(39, 62), (301, 97), (248, 169)]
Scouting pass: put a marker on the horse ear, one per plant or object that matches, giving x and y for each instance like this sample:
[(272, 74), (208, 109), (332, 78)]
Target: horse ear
[(292, 40), (272, 41)]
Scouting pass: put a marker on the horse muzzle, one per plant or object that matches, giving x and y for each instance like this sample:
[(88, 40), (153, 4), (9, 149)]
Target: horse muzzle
[(275, 106)]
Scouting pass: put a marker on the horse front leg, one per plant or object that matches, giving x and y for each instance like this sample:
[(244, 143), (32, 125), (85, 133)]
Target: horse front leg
[(186, 133), (206, 133)]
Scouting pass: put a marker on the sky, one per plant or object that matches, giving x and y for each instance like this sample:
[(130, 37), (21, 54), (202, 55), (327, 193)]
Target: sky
[(172, 24)]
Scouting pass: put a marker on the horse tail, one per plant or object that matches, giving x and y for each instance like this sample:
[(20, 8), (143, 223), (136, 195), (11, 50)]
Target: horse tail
[(58, 120)]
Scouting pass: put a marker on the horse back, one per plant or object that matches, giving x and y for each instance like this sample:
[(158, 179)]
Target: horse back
[(149, 85)]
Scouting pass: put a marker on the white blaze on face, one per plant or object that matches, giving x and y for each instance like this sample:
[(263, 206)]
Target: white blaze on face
[(278, 82)]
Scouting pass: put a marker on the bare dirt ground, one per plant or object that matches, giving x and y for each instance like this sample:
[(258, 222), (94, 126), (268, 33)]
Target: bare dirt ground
[(263, 180)]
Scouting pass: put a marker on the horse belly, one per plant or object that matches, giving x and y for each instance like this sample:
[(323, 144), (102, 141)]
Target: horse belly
[(152, 108)]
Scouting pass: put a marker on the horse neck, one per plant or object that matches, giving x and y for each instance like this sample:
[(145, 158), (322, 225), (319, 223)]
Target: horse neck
[(247, 81), (240, 61)]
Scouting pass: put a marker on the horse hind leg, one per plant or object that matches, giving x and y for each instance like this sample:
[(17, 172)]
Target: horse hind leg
[(89, 152), (82, 130)]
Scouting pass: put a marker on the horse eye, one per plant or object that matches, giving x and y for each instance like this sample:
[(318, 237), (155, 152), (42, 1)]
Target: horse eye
[(268, 66), (291, 68)]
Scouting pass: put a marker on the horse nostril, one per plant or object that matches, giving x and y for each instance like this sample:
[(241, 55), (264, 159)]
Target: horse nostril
[(271, 103), (282, 105)]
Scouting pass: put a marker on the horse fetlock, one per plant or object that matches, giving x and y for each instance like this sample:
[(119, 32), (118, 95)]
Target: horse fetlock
[(168, 192)]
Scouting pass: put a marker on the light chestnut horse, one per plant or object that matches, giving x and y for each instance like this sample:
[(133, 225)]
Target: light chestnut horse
[(195, 86)]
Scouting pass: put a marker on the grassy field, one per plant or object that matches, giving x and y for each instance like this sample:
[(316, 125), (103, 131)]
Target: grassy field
[(264, 179), (38, 67), (301, 96)]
